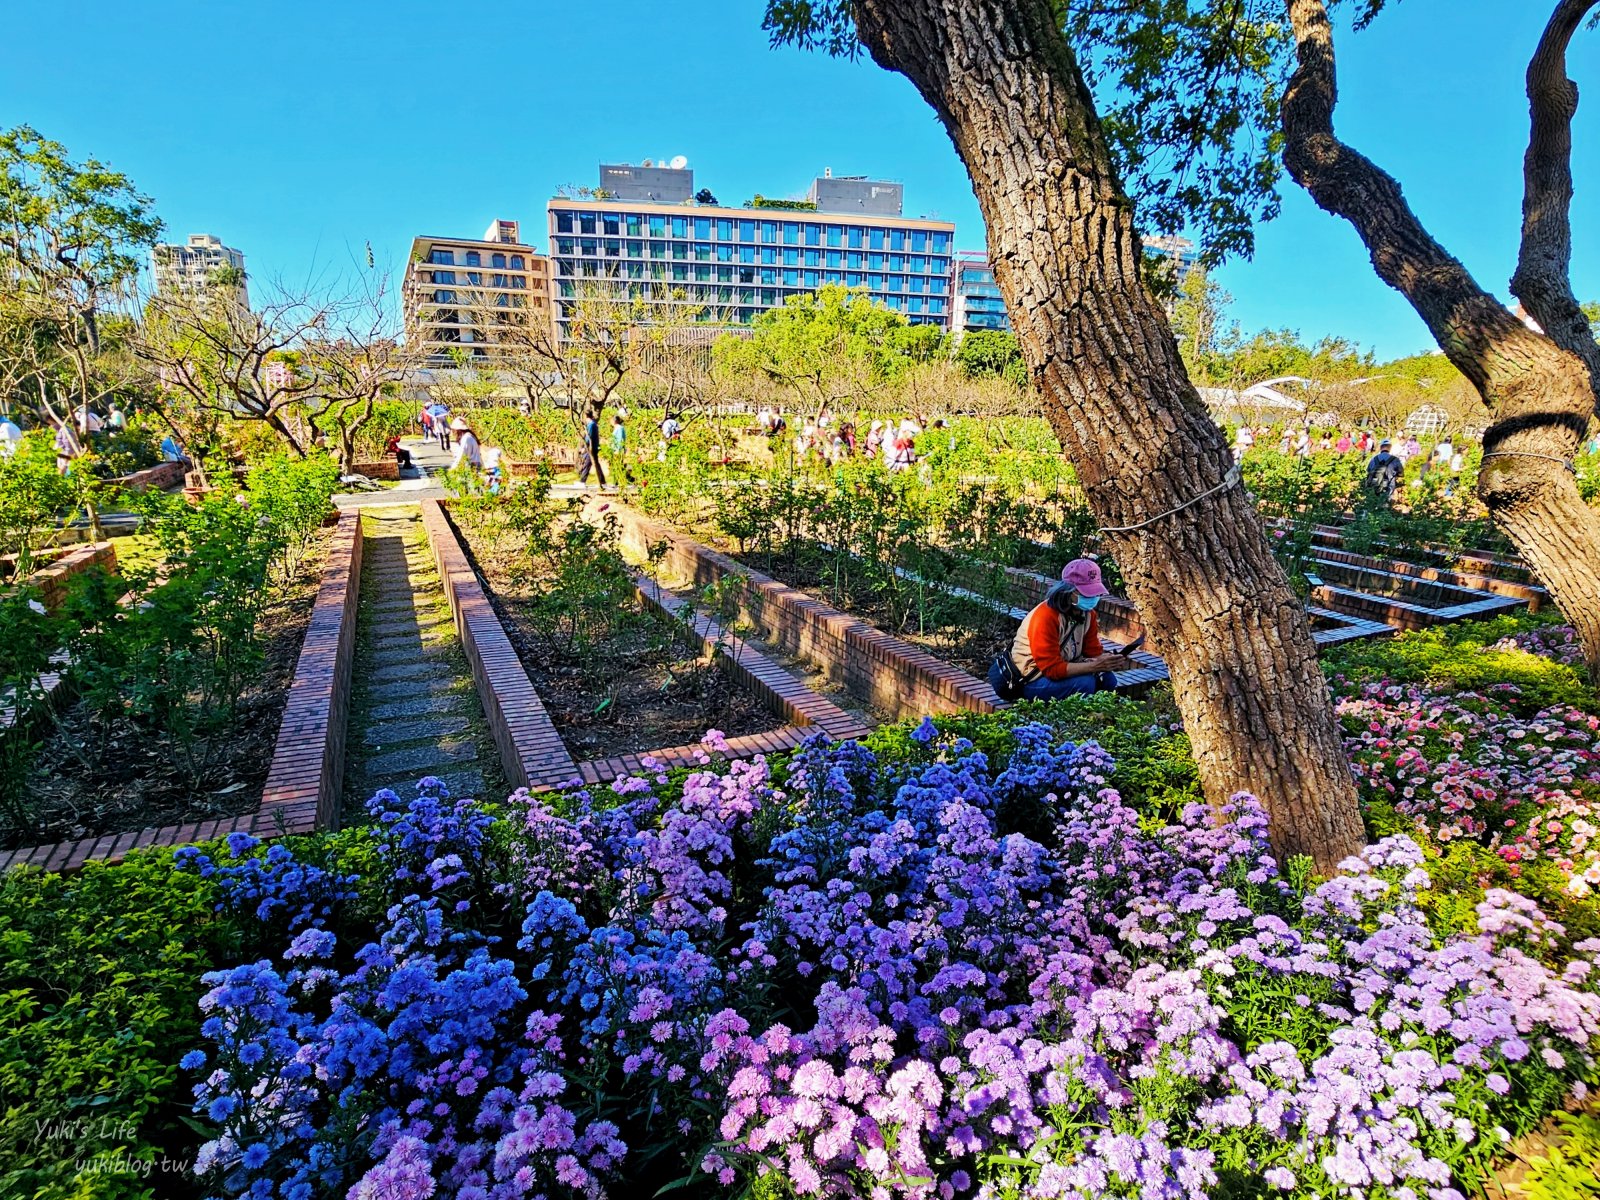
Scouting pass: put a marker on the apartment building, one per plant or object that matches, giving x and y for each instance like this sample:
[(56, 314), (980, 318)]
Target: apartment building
[(194, 267), (642, 233), (977, 303), (472, 299)]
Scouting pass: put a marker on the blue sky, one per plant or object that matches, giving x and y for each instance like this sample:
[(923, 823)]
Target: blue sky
[(300, 131)]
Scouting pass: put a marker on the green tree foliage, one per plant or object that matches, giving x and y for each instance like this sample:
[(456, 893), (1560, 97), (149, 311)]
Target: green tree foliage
[(71, 240), (830, 347), (991, 354)]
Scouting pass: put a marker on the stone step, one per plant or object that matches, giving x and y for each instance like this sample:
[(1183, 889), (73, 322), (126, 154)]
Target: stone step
[(424, 760), (414, 729), (412, 689), (401, 667), (420, 706)]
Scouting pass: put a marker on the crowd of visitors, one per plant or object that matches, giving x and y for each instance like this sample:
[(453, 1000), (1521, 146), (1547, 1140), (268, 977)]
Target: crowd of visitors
[(1389, 456)]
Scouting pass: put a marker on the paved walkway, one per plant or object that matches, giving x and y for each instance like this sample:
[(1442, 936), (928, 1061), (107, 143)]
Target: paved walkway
[(414, 711)]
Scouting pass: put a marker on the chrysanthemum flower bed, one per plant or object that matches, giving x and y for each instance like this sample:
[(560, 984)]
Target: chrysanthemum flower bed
[(917, 971)]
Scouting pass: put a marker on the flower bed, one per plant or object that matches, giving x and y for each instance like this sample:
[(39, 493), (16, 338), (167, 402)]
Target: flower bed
[(860, 976)]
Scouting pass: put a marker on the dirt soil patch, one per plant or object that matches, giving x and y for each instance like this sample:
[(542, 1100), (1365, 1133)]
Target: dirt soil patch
[(642, 688), (131, 784)]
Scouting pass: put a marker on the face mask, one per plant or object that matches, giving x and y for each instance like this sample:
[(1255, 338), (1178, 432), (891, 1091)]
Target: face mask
[(1087, 603)]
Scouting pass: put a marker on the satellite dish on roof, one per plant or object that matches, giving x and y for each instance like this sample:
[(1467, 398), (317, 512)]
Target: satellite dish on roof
[(679, 163), (648, 163)]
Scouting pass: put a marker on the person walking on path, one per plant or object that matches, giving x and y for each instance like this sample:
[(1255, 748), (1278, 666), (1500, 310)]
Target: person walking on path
[(589, 456), (67, 447), (1383, 472), (619, 448), (441, 423), (1057, 650), (467, 448)]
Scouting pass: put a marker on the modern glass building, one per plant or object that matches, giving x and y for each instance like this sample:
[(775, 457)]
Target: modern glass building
[(732, 263), (977, 297)]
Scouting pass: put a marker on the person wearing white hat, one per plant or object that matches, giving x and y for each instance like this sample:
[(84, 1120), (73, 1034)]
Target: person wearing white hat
[(467, 448)]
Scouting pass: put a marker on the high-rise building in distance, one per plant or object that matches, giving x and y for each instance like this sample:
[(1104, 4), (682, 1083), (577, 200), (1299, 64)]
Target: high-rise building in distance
[(192, 268), (977, 297), (642, 234), (1178, 250), (476, 298)]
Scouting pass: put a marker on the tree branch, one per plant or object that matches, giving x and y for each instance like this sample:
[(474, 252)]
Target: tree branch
[(1471, 326), (1543, 279)]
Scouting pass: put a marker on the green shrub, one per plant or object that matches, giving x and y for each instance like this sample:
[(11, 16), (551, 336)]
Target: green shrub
[(99, 986), (1463, 657)]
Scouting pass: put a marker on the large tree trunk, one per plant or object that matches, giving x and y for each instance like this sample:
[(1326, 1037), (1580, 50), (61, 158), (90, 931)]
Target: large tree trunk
[(1061, 237), (1539, 394)]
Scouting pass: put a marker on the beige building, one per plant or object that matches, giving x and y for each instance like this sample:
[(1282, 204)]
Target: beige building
[(195, 268), (476, 299)]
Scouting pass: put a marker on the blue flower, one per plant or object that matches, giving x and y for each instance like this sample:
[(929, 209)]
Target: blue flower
[(925, 731), (193, 1060)]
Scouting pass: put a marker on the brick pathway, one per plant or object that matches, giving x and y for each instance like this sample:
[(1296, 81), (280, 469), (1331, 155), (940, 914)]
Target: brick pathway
[(415, 711)]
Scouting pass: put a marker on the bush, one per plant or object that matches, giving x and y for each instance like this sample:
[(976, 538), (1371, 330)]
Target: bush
[(1474, 656), (99, 979)]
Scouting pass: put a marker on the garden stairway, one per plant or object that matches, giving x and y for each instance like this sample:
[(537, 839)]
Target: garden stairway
[(414, 710)]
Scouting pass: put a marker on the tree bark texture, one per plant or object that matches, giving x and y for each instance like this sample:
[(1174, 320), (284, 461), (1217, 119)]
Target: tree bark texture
[(1004, 82), (1539, 394), (1543, 279)]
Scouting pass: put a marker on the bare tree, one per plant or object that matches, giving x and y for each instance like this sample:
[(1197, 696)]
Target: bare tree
[(301, 360)]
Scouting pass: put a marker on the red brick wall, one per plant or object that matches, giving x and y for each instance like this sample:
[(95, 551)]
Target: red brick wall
[(883, 671), (302, 790), (161, 477), (386, 469), (52, 580), (531, 751)]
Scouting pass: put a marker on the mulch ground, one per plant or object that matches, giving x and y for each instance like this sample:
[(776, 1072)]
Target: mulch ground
[(132, 784)]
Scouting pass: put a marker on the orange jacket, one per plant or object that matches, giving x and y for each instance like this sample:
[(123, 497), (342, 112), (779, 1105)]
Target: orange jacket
[(1045, 643)]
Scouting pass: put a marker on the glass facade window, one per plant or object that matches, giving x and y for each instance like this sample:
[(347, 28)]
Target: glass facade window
[(518, 262), (444, 276), (797, 251), (448, 257), (497, 260)]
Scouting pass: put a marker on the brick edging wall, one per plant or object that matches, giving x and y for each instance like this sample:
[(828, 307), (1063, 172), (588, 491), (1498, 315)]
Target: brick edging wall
[(882, 670), (307, 771), (531, 751), (302, 789), (387, 469), (161, 477), (51, 580), (783, 694)]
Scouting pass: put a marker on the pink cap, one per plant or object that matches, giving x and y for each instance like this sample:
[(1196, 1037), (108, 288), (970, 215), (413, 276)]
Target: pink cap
[(1083, 576)]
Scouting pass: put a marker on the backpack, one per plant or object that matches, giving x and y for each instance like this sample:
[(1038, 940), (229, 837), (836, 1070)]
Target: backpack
[(1012, 681)]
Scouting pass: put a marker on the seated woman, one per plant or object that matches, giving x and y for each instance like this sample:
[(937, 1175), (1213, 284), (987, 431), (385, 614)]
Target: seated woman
[(1057, 648), (402, 456)]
